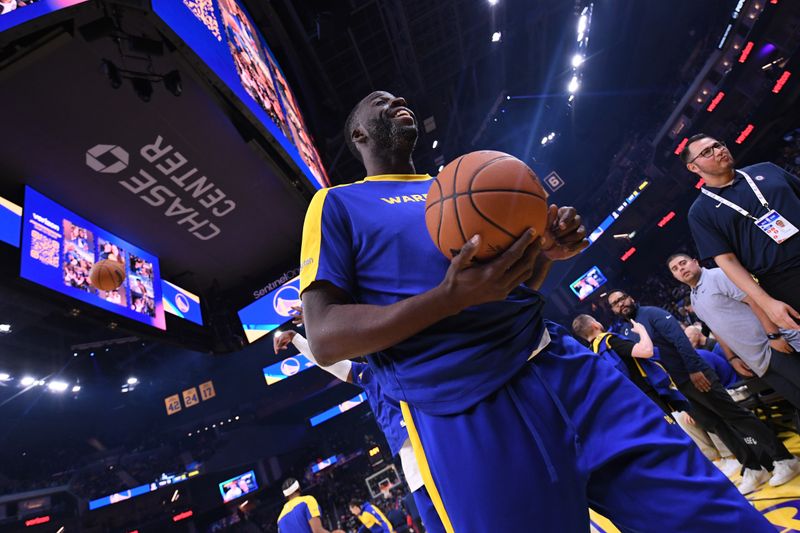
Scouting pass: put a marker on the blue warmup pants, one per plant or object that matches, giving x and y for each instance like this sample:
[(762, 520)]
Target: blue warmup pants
[(430, 519), (566, 433)]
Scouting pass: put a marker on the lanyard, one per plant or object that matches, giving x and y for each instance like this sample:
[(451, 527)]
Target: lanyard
[(739, 209)]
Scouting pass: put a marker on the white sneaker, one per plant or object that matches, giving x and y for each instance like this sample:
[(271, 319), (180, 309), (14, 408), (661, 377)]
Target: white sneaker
[(728, 466), (785, 471), (752, 479)]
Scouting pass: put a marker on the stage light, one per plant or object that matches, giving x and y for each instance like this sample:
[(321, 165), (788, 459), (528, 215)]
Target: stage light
[(182, 516), (628, 254), (745, 133), (143, 88), (435, 144), (496, 36), (172, 81), (493, 2), (681, 146), (573, 85), (112, 72), (74, 354), (5, 328), (715, 101), (58, 386), (5, 377), (27, 381), (229, 420), (132, 381), (441, 167), (781, 82), (669, 216), (552, 135), (237, 417), (746, 51), (544, 140), (583, 22), (76, 388), (577, 60)]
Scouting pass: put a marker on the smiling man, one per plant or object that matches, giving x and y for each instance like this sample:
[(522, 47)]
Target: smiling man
[(513, 422), (747, 220)]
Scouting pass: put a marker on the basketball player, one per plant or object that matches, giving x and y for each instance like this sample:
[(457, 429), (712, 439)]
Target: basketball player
[(300, 514), (387, 414), (371, 517), (514, 423)]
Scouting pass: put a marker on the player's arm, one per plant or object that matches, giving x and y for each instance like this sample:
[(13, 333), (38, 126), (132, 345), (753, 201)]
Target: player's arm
[(564, 239), (338, 329), (780, 313), (342, 369), (644, 348), (315, 523)]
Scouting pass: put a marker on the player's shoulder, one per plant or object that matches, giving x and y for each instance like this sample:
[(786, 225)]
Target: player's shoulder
[(765, 167)]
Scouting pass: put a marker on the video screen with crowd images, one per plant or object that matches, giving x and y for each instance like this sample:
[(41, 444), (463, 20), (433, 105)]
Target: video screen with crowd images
[(16, 12), (225, 38), (588, 283), (238, 486), (59, 250)]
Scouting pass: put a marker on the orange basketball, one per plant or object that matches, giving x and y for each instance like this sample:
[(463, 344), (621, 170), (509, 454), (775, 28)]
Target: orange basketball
[(107, 275), (492, 194)]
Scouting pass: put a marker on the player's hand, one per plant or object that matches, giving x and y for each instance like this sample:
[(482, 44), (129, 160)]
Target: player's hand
[(565, 236), (688, 418), (700, 381), (466, 283), (638, 328), (741, 367), (282, 341), (298, 315), (781, 314), (781, 345)]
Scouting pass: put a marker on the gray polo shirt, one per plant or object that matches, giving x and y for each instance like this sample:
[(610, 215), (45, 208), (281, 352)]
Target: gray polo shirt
[(717, 301)]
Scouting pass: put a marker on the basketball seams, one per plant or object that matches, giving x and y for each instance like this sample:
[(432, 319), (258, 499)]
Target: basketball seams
[(441, 213), (475, 206), (455, 205)]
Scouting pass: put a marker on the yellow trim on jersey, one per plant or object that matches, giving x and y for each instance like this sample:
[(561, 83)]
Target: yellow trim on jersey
[(312, 240), (383, 517), (424, 469), (398, 177), (310, 501)]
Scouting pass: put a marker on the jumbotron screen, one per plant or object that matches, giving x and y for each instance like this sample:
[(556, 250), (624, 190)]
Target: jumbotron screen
[(238, 486), (16, 12), (585, 285), (225, 38), (59, 249)]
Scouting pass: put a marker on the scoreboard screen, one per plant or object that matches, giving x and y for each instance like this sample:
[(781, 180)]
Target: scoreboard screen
[(15, 12)]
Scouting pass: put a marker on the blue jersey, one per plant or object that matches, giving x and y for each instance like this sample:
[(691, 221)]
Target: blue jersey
[(369, 239), (373, 520), (387, 410), (727, 375), (296, 513)]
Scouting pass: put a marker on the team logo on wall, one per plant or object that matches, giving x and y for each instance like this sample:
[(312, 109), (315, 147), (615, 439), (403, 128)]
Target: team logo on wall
[(182, 303), (107, 158), (286, 297), (166, 179), (290, 366)]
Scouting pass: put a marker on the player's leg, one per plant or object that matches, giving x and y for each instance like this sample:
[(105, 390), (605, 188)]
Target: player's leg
[(507, 464), (643, 469), (430, 519)]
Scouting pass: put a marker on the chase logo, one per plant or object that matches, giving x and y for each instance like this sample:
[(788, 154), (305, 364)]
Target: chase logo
[(285, 298), (107, 158), (182, 303), (785, 516)]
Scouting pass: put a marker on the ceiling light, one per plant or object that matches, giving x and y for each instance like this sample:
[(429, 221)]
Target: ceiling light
[(58, 386), (27, 381), (76, 388), (441, 167), (435, 144), (237, 417), (5, 328), (577, 60), (5, 377), (493, 2), (496, 36), (573, 85), (544, 140), (132, 381)]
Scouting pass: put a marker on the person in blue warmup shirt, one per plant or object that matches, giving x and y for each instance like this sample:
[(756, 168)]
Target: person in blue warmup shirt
[(372, 519), (514, 423), (300, 514), (387, 415)]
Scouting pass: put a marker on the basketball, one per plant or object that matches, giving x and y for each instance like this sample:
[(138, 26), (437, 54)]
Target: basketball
[(492, 194), (107, 275)]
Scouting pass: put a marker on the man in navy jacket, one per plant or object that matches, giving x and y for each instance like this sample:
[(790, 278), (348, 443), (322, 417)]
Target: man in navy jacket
[(753, 443)]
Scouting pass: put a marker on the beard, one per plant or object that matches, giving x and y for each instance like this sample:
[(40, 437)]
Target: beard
[(629, 313), (389, 136)]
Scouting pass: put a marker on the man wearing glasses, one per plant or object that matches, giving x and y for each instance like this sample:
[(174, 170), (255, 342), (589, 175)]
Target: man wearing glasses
[(747, 220), (753, 443)]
